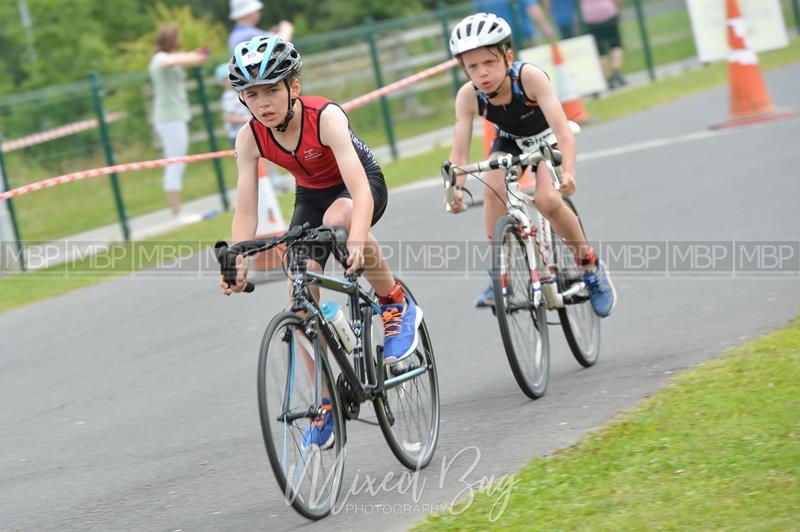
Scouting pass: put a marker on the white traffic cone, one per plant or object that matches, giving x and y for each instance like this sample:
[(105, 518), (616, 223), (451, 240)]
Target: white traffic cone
[(570, 101), (270, 223)]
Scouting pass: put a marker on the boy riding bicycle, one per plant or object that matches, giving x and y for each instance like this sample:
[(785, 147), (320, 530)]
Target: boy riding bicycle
[(519, 99), (338, 182)]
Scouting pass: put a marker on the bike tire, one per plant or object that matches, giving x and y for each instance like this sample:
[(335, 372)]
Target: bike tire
[(310, 478), (579, 322), (411, 436), (514, 308)]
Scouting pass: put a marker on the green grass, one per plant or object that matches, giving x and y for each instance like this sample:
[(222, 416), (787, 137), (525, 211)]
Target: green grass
[(671, 88), (16, 292), (718, 448), (670, 37), (88, 204), (118, 260), (122, 259)]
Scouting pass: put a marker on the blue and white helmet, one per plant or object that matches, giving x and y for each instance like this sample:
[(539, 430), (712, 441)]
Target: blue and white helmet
[(263, 61), (477, 31)]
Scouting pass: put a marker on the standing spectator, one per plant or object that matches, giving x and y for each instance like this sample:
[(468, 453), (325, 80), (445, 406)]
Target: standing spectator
[(234, 112), (602, 21), (171, 104), (246, 14), (564, 16), (529, 13)]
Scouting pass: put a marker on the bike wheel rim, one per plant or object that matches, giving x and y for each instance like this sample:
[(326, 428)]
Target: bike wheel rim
[(309, 476), (523, 324)]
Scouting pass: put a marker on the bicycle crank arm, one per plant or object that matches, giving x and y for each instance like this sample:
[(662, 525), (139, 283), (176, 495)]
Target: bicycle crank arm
[(573, 295), (292, 417), (410, 374)]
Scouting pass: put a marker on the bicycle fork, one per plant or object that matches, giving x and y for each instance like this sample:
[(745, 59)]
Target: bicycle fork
[(545, 270)]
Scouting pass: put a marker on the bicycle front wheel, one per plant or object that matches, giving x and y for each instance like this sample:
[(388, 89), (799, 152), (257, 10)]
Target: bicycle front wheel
[(305, 448), (408, 408), (523, 324), (578, 320)]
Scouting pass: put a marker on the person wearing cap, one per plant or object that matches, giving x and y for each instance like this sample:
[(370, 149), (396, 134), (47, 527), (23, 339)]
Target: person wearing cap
[(246, 14), (234, 112)]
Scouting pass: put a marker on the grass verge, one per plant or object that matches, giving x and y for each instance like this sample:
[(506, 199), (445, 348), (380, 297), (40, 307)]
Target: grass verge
[(718, 448), (118, 260)]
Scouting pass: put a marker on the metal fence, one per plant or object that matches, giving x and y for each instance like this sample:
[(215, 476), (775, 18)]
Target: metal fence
[(340, 65)]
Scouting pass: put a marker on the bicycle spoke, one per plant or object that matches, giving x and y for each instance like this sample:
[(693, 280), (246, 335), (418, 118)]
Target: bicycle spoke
[(523, 327), (309, 476), (580, 324), (409, 411)]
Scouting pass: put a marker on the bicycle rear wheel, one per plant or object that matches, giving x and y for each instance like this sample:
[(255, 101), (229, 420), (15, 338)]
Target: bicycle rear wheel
[(523, 325), (407, 410), (578, 320), (309, 475)]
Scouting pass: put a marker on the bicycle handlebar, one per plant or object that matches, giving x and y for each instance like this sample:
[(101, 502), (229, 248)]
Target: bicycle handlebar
[(451, 171), (226, 255)]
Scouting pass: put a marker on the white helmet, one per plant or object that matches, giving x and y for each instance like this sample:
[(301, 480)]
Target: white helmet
[(477, 31)]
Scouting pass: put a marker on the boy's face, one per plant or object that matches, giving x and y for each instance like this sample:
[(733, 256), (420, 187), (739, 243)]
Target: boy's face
[(486, 67), (270, 103)]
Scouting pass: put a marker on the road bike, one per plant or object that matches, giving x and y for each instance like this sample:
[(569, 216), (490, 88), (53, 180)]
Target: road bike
[(298, 355), (533, 270)]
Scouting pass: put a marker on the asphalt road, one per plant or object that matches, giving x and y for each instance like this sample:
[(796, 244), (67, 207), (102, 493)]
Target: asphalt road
[(131, 405)]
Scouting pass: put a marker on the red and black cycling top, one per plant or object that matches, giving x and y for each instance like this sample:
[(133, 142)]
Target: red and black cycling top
[(312, 164)]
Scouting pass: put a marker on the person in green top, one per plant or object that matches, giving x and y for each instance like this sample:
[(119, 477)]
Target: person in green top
[(171, 104)]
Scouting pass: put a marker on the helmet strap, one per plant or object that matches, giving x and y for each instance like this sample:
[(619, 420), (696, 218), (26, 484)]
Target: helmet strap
[(495, 92), (283, 126)]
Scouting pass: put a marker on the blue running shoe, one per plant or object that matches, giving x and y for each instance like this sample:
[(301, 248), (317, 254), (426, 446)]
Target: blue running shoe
[(320, 432), (601, 290), (400, 330), (486, 299)]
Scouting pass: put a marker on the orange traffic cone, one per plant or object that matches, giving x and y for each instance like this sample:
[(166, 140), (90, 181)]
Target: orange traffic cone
[(572, 104), (488, 137), (270, 222), (749, 100)]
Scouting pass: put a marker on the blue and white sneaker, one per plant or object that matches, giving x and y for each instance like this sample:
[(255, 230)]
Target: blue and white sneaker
[(601, 290), (486, 299), (320, 432), (400, 329)]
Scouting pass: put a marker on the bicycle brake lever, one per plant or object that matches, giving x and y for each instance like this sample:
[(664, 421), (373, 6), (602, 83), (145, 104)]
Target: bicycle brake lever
[(227, 263)]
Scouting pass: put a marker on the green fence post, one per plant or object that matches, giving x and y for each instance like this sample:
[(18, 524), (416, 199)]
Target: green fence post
[(441, 10), (212, 138), (105, 138), (648, 56), (11, 212), (796, 9), (516, 25), (376, 66)]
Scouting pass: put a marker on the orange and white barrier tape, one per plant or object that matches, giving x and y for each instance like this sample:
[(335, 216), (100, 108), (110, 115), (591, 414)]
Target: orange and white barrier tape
[(116, 169), (56, 133), (129, 167), (399, 84)]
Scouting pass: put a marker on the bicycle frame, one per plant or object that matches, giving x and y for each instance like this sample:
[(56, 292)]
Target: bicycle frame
[(303, 301), (540, 257), (535, 150)]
